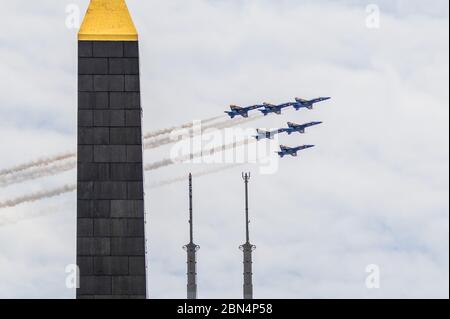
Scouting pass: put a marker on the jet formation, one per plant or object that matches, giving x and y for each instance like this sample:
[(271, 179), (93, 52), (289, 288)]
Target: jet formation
[(268, 108)]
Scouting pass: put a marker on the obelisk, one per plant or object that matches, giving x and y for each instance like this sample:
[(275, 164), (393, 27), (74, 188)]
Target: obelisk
[(110, 195)]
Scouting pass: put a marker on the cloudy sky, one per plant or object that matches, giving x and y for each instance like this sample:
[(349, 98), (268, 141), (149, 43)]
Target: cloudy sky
[(373, 191)]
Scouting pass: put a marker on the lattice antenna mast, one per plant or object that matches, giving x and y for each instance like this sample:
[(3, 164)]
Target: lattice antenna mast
[(191, 250), (247, 248)]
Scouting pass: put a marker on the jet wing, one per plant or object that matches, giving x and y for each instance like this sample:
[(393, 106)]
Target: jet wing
[(270, 106), (253, 107), (304, 147), (299, 100)]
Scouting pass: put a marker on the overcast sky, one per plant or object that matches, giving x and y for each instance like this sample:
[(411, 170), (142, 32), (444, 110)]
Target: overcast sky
[(373, 191)]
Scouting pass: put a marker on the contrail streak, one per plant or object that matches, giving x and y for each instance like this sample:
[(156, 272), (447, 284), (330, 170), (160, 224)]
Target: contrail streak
[(36, 173), (52, 159), (199, 174), (221, 125), (56, 169), (37, 163), (38, 196), (174, 128), (20, 173), (11, 220), (149, 167), (208, 152)]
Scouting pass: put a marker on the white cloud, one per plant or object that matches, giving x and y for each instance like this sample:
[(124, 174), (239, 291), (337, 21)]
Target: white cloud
[(375, 190)]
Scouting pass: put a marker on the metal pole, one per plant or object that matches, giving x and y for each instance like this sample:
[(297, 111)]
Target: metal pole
[(247, 231), (191, 250), (191, 219), (247, 248)]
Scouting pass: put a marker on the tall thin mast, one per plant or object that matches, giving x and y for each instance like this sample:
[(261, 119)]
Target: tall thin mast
[(191, 218), (247, 248), (191, 250), (247, 223)]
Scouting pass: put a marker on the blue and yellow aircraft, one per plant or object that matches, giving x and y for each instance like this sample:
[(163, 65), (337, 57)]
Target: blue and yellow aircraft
[(241, 111), (300, 128), (272, 108), (309, 104), (293, 151)]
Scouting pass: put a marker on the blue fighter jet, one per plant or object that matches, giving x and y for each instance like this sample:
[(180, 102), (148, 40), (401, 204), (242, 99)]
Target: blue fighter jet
[(292, 150), (272, 108), (309, 104), (300, 128), (241, 111)]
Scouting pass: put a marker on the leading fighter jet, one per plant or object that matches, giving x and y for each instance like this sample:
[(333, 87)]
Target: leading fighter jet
[(300, 128), (292, 150), (309, 104), (241, 111)]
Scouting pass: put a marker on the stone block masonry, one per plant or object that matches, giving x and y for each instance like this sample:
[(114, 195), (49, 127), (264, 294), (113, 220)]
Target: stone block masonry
[(110, 210)]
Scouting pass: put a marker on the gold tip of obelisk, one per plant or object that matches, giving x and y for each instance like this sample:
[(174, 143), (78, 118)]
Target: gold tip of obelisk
[(107, 20)]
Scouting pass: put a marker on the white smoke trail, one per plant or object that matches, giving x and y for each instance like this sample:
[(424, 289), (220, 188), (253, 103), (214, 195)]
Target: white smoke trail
[(21, 172), (198, 174), (37, 196), (56, 169), (209, 152), (174, 128), (155, 143), (37, 163), (149, 167), (52, 159), (36, 173), (15, 219)]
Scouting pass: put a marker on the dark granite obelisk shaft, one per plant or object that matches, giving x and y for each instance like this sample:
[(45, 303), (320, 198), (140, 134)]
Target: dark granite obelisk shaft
[(110, 210)]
